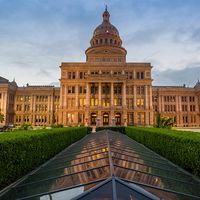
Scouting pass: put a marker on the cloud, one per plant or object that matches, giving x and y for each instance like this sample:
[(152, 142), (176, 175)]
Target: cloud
[(188, 76), (36, 36)]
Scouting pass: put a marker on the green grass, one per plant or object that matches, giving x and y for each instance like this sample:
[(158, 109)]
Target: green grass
[(23, 151), (181, 147)]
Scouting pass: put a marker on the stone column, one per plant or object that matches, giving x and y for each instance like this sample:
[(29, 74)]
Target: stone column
[(150, 97), (49, 109), (99, 90), (146, 97), (64, 96), (162, 103), (76, 96), (112, 93), (134, 76), (134, 96), (124, 104), (124, 94), (159, 103), (87, 94)]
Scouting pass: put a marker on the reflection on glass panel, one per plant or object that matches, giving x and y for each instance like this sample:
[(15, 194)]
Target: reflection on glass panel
[(59, 183), (102, 193), (124, 192), (168, 195), (87, 162), (64, 195), (160, 182), (66, 170), (152, 170), (138, 176)]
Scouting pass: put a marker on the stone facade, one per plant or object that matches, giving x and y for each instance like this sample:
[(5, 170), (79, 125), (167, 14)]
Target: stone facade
[(103, 91)]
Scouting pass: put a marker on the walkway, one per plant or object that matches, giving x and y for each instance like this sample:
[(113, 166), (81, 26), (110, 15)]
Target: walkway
[(106, 165)]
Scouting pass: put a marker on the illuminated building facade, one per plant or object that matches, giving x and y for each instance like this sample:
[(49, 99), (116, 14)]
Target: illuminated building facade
[(103, 91)]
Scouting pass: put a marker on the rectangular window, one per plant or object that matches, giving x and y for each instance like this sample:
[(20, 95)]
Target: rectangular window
[(80, 89), (27, 98), (184, 98), (105, 102), (26, 108), (19, 107), (118, 102), (71, 89), (94, 102), (129, 75), (20, 98), (140, 75), (140, 102), (130, 118), (118, 89), (141, 117), (192, 99), (82, 75), (94, 89), (106, 89), (94, 72), (74, 75), (82, 102), (71, 75)]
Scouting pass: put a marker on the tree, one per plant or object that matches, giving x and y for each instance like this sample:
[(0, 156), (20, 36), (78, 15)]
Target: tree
[(1, 117), (164, 122)]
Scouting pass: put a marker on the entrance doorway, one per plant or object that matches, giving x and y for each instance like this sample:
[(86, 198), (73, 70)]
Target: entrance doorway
[(93, 118), (118, 119), (105, 119)]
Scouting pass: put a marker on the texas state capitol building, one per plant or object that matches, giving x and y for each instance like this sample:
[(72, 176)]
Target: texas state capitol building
[(104, 90)]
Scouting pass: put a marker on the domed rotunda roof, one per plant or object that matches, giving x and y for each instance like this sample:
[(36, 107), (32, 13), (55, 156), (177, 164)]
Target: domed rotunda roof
[(106, 44), (106, 27), (106, 33)]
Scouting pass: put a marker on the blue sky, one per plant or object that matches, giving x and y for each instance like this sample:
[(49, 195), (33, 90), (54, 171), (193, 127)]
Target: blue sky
[(37, 35)]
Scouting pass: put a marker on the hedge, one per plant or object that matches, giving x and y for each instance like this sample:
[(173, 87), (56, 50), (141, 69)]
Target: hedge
[(23, 151), (182, 148)]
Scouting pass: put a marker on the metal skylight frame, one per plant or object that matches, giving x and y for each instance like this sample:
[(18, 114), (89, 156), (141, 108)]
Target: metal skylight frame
[(128, 148)]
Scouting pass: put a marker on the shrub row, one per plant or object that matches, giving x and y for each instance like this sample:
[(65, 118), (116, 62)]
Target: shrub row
[(182, 148), (22, 151)]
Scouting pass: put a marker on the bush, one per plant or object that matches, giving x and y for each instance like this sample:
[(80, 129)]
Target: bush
[(22, 151), (182, 148), (57, 126), (26, 126)]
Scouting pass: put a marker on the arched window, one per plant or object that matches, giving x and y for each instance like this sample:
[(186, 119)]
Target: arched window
[(96, 41), (101, 41), (106, 40), (115, 41), (111, 41)]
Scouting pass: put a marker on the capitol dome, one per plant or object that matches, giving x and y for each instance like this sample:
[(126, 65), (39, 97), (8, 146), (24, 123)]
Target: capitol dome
[(106, 33), (106, 27), (106, 44)]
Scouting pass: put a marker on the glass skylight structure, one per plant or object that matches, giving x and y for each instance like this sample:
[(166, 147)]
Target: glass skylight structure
[(106, 165)]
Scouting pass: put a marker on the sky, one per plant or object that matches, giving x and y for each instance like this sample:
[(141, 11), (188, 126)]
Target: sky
[(37, 35)]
